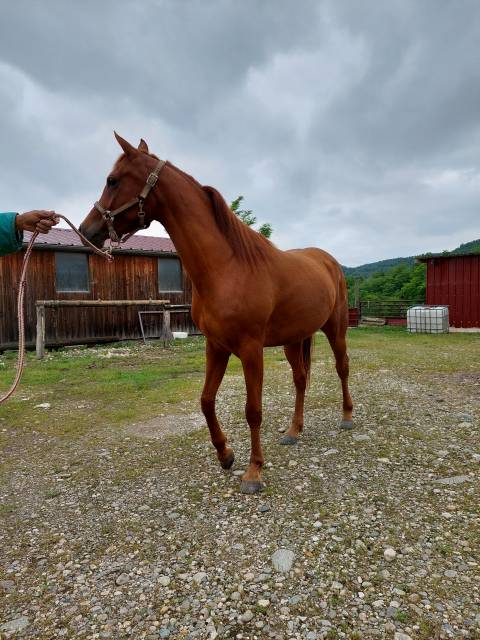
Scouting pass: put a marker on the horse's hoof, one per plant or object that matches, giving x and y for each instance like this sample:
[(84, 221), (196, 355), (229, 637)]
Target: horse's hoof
[(251, 486), (346, 425), (228, 461), (289, 440)]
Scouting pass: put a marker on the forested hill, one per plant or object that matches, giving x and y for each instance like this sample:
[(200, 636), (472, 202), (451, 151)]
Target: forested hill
[(366, 270), (468, 247)]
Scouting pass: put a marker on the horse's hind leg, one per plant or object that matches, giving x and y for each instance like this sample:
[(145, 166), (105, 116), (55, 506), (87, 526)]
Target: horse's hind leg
[(336, 329), (217, 360), (251, 355), (294, 355)]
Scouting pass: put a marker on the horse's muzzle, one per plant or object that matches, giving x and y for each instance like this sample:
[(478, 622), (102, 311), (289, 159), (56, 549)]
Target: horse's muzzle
[(95, 232)]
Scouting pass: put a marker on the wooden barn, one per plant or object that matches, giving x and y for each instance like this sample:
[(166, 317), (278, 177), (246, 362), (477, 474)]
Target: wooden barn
[(61, 268), (454, 280)]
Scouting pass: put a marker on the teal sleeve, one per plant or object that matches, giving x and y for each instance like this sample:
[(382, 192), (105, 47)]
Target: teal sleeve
[(10, 238)]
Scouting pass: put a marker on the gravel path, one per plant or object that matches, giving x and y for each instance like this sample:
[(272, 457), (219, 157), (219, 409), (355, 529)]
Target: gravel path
[(368, 534)]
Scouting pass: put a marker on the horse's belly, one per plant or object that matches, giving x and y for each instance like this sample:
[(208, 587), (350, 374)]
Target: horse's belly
[(279, 335), (298, 320)]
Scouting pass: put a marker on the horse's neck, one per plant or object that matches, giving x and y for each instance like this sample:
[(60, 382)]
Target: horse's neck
[(186, 215)]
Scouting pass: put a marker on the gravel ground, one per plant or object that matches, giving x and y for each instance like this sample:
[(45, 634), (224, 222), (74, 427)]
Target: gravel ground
[(137, 533)]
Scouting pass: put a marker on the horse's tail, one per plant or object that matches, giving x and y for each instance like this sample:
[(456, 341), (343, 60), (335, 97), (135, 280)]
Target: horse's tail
[(307, 350)]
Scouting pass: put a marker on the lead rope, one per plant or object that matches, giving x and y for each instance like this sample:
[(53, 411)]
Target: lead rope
[(20, 298)]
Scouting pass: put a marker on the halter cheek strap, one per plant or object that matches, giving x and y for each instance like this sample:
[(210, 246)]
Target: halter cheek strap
[(108, 215)]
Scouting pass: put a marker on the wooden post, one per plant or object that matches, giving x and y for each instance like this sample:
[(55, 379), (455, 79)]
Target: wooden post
[(356, 284), (167, 332), (40, 331)]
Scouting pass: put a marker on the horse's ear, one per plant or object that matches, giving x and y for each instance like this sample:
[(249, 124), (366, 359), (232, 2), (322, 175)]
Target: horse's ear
[(143, 146), (126, 146)]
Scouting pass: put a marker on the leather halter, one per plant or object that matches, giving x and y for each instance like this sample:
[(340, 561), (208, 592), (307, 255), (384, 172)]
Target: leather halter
[(108, 215)]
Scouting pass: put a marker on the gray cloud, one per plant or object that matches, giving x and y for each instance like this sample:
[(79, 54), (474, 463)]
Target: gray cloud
[(350, 126)]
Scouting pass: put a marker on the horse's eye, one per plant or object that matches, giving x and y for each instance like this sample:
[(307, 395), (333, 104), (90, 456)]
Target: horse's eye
[(111, 181)]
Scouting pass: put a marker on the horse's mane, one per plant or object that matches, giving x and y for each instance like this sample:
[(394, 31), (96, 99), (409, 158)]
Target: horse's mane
[(248, 245)]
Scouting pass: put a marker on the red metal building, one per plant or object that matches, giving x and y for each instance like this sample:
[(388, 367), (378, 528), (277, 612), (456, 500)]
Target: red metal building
[(454, 280)]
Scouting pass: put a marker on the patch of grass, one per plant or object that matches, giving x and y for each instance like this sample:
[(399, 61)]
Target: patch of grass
[(418, 435), (6, 509), (53, 493), (445, 549), (429, 629), (401, 616), (195, 495), (118, 390)]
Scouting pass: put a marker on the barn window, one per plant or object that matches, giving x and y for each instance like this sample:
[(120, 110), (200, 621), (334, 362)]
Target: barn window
[(169, 275), (71, 271)]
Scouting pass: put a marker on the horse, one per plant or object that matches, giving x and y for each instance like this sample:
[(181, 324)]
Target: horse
[(247, 294)]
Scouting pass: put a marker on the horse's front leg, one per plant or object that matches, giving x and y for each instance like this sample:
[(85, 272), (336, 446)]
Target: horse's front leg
[(217, 360), (251, 356)]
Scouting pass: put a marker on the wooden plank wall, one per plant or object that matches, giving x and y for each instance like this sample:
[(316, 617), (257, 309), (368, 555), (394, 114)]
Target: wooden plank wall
[(456, 282), (128, 277)]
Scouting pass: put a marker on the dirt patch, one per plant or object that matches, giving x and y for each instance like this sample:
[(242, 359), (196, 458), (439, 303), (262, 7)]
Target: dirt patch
[(459, 377), (465, 378), (163, 426)]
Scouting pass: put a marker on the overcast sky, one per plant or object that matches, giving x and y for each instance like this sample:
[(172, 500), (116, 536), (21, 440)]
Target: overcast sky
[(352, 126)]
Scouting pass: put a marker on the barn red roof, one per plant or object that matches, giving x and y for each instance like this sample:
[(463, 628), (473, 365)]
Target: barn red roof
[(68, 238)]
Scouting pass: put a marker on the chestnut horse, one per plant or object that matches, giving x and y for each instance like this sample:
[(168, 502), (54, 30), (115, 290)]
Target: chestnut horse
[(247, 294)]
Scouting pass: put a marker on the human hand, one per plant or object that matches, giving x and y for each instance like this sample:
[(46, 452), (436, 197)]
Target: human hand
[(41, 221)]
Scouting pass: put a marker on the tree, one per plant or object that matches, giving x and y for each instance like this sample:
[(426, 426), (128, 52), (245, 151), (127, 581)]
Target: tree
[(247, 216), (402, 282)]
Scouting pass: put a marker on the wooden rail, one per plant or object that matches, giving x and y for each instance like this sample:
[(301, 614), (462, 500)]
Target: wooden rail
[(41, 305), (98, 303)]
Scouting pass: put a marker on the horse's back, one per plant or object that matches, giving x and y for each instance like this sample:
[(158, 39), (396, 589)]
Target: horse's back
[(314, 267), (318, 256)]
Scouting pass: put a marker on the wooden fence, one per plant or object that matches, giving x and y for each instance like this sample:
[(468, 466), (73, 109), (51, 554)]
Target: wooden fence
[(162, 306)]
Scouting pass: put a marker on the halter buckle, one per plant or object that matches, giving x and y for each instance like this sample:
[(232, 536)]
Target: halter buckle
[(152, 179)]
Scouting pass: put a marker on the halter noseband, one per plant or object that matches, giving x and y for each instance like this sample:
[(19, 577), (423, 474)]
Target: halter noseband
[(108, 215)]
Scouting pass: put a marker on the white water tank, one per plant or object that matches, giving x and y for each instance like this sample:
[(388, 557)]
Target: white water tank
[(427, 319)]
